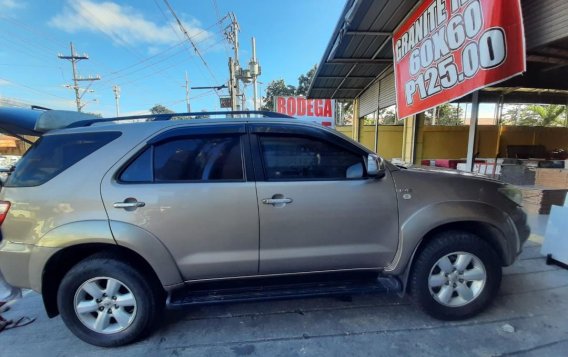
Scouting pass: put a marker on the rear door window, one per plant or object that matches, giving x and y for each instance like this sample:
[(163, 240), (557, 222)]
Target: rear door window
[(53, 154), (204, 158), (292, 157)]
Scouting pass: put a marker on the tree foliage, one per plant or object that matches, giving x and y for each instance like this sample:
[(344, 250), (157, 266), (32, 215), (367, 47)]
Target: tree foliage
[(160, 109), (305, 80), (279, 87), (345, 112), (445, 114), (387, 116), (98, 115), (535, 115), (276, 88), (203, 116)]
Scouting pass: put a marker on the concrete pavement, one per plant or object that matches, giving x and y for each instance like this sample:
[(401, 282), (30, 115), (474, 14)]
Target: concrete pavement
[(533, 300)]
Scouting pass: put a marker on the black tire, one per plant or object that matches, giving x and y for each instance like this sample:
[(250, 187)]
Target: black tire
[(149, 300), (438, 247)]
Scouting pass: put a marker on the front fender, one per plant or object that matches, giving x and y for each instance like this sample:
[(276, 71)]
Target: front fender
[(419, 224)]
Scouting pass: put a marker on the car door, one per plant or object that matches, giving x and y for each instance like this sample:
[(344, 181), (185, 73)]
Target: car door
[(318, 209), (190, 188)]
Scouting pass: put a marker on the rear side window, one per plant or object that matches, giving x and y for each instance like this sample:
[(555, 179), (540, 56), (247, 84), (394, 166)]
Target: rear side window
[(207, 158), (53, 154)]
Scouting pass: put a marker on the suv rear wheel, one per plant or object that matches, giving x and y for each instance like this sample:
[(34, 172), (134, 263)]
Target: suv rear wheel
[(107, 302), (455, 276)]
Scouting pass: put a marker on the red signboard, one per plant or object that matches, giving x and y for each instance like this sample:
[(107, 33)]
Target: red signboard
[(449, 48), (320, 111)]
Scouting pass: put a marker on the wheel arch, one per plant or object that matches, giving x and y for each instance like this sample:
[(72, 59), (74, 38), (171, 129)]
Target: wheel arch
[(485, 231), (65, 259), (479, 218)]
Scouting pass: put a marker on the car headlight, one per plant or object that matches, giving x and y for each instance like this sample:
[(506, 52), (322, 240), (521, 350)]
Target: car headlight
[(512, 193)]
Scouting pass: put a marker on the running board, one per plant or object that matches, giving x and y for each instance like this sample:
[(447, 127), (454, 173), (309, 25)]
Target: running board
[(193, 295)]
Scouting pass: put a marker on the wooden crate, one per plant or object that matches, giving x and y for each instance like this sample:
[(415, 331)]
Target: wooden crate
[(539, 200), (553, 178)]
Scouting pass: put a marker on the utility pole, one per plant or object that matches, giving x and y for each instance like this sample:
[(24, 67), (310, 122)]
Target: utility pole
[(79, 92), (237, 73), (232, 84), (116, 90), (232, 35), (187, 93), (254, 69), (243, 99)]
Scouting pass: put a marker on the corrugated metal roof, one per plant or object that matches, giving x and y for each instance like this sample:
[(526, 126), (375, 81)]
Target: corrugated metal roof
[(360, 48)]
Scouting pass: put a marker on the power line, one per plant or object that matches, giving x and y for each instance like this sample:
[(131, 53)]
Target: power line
[(43, 34), (122, 42), (32, 89), (27, 65), (108, 77), (31, 29), (182, 28), (220, 20), (167, 21), (25, 49), (153, 73), (201, 95), (132, 71)]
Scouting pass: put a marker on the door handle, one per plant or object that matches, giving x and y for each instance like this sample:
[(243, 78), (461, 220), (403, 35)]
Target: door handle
[(129, 204), (277, 201)]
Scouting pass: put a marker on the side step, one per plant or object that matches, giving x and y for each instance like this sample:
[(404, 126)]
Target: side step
[(201, 295)]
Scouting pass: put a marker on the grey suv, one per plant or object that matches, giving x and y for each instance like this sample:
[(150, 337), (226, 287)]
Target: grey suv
[(111, 220)]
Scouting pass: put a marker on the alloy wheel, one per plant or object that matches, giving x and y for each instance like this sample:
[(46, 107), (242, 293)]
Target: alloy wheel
[(105, 305), (457, 279)]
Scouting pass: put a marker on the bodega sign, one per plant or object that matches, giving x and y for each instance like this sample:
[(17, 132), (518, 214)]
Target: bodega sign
[(450, 48), (320, 111)]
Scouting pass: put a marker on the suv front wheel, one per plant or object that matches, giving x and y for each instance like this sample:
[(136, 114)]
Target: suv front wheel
[(455, 276), (107, 302)]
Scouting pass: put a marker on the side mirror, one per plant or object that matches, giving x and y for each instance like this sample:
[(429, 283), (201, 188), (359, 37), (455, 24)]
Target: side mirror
[(375, 166)]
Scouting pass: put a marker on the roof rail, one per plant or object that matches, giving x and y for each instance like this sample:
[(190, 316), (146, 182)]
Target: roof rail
[(169, 116), (38, 107)]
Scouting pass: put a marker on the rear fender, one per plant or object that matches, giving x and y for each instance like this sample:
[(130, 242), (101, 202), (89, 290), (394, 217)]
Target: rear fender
[(150, 248), (87, 232), (71, 234)]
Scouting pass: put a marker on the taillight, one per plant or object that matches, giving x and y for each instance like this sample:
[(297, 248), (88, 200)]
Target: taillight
[(4, 208)]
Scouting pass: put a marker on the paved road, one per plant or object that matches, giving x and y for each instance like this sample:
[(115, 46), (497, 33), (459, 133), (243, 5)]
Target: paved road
[(533, 299)]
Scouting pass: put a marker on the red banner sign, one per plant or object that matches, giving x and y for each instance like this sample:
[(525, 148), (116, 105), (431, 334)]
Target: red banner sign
[(449, 48), (320, 111)]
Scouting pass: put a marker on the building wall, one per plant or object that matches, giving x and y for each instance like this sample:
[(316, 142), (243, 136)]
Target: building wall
[(450, 142), (12, 146)]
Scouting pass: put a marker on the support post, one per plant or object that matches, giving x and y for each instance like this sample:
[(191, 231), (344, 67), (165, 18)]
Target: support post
[(412, 138), (472, 131), (355, 127), (377, 119)]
